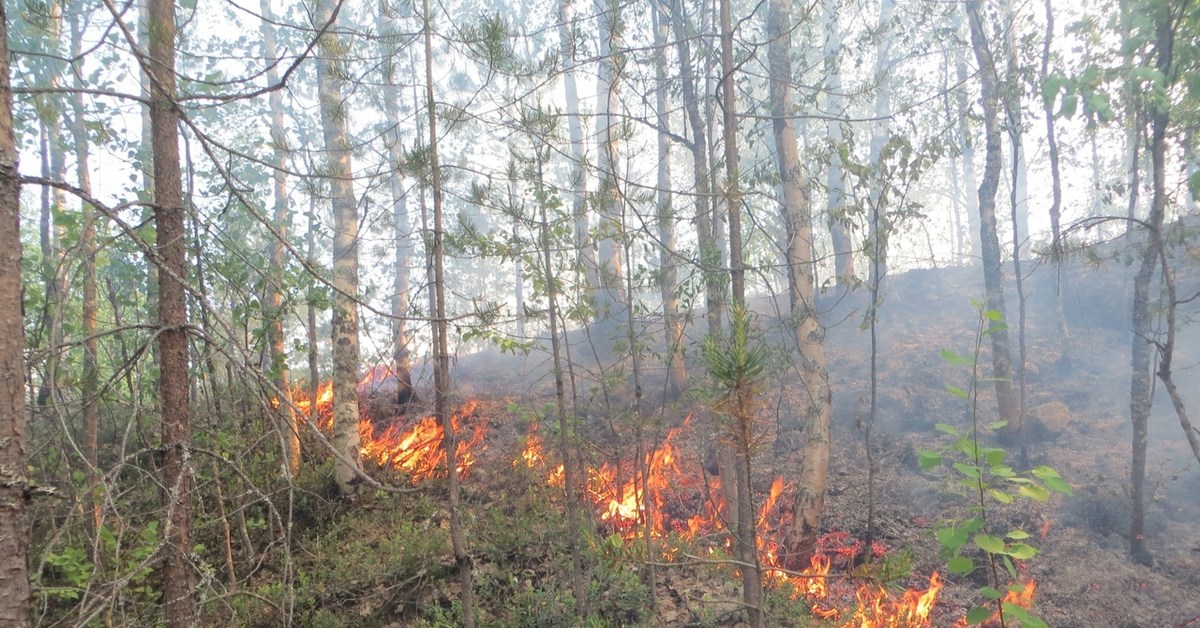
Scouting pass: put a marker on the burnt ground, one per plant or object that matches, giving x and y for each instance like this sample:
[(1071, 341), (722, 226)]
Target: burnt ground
[(1084, 574)]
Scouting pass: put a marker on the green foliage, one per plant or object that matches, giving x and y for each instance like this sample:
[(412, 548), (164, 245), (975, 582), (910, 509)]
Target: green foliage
[(983, 476)]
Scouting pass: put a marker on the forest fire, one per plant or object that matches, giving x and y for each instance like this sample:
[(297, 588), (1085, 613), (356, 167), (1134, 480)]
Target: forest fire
[(415, 449), (620, 506)]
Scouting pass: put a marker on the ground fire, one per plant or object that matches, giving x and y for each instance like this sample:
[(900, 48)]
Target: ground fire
[(663, 498)]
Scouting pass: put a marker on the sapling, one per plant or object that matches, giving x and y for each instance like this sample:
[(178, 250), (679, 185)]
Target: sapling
[(988, 480)]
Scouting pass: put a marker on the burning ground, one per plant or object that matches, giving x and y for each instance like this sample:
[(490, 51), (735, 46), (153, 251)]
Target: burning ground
[(1083, 576)]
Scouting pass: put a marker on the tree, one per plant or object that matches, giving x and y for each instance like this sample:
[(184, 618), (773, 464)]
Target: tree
[(179, 604), (880, 228), (668, 282), (289, 421), (441, 367), (334, 111), (989, 238), (14, 496), (609, 292), (740, 436), (835, 178), (809, 335), (401, 359)]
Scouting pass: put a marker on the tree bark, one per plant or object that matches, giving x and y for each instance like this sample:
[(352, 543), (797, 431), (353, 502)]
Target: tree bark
[(835, 177), (441, 372), (969, 188), (989, 239), (608, 297), (1141, 378), (14, 499), (579, 172), (880, 226), (669, 282), (709, 254), (91, 382), (179, 603), (744, 536), (809, 334), (334, 110), (401, 357), (274, 314)]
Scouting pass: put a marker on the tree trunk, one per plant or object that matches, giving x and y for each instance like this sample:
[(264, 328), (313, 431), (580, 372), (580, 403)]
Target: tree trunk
[(669, 283), (992, 274), (835, 178), (401, 357), (334, 110), (809, 334), (91, 382), (709, 254), (880, 227), (14, 500), (1056, 245), (1141, 378), (441, 372), (274, 314), (579, 174), (609, 297), (970, 189), (179, 603)]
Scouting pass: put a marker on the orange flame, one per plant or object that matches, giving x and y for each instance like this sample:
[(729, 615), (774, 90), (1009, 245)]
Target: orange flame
[(415, 449)]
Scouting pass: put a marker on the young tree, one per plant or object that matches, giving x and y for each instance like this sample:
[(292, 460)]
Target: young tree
[(441, 368), (14, 499), (179, 603), (334, 111)]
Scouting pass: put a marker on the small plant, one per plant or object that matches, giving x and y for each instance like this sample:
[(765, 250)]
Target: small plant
[(982, 475)]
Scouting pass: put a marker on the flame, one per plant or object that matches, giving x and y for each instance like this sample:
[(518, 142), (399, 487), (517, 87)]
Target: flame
[(415, 449), (532, 455), (669, 501), (1019, 594)]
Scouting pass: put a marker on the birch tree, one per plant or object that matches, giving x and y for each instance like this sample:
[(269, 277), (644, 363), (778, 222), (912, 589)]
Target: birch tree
[(334, 111)]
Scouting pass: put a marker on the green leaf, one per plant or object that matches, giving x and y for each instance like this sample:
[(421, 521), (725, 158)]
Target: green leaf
[(1059, 486), (974, 524), (993, 456), (1003, 471), (978, 615), (991, 593), (951, 538), (1017, 535), (1035, 492), (947, 428), (993, 315), (928, 460), (956, 391), (989, 543), (960, 565), (1001, 496), (956, 359), (1009, 567), (967, 470), (1021, 551), (1070, 103), (1044, 473), (995, 425)]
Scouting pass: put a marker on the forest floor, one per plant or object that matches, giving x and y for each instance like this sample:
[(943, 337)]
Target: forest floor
[(1084, 574)]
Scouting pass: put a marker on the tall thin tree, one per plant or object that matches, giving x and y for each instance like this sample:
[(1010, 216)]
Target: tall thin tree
[(14, 502), (179, 603), (334, 112)]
